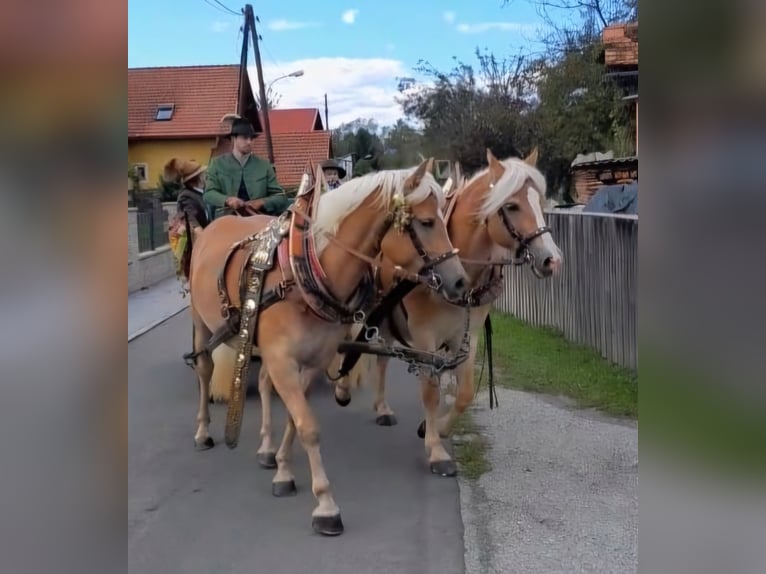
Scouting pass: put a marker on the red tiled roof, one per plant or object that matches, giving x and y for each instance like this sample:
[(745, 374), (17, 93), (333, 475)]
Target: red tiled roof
[(202, 95), (291, 120), (293, 152)]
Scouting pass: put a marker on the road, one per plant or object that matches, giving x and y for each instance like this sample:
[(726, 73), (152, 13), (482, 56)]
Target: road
[(212, 512)]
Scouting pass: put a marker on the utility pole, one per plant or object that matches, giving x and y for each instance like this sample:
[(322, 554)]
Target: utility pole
[(326, 121), (243, 75), (250, 18)]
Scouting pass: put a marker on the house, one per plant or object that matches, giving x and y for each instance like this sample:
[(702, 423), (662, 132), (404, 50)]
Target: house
[(621, 61), (299, 140), (593, 171), (292, 120), (177, 111)]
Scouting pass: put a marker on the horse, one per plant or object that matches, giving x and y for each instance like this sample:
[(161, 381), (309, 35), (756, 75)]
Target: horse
[(497, 213), (309, 296)]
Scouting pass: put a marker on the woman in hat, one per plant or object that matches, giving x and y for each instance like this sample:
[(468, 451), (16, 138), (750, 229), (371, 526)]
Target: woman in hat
[(192, 213), (333, 173)]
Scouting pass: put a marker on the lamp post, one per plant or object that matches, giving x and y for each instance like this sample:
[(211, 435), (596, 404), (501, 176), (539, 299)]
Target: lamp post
[(295, 74), (265, 109)]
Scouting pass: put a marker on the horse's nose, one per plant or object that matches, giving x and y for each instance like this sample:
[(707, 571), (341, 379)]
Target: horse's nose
[(459, 286), (552, 264)]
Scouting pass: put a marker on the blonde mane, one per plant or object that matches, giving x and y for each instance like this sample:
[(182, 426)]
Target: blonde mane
[(335, 205), (516, 173)]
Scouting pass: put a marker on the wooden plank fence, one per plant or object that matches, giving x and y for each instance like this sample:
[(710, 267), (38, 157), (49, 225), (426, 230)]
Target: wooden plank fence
[(594, 299)]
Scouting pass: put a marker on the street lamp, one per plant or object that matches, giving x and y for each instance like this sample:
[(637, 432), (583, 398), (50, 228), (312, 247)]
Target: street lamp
[(295, 74)]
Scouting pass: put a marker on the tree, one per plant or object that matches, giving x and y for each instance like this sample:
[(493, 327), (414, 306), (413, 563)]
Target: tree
[(402, 145), (272, 99), (465, 112)]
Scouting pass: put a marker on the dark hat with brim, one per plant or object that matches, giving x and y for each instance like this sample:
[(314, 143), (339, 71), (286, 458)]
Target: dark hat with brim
[(242, 127), (332, 164)]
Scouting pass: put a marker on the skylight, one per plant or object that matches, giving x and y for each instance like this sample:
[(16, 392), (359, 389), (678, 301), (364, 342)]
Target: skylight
[(164, 112)]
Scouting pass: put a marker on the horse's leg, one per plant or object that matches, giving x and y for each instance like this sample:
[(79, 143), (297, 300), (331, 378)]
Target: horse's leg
[(286, 377), (385, 416), (465, 391), (204, 368), (439, 460), (265, 456), (283, 483)]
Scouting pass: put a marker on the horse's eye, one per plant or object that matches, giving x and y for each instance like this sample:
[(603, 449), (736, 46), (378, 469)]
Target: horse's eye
[(426, 222), (512, 206)]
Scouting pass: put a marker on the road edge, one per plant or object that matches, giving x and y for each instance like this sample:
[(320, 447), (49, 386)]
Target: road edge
[(157, 323)]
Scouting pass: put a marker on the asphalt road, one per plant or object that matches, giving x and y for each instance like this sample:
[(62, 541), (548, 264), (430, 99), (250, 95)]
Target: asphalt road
[(212, 512)]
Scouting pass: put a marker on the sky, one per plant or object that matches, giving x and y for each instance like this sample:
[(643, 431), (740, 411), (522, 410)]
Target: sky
[(353, 51)]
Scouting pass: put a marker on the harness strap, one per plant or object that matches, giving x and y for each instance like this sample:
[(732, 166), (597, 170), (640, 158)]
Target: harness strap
[(374, 319)]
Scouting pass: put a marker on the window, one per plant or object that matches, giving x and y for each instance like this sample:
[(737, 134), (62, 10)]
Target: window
[(164, 112), (142, 171)]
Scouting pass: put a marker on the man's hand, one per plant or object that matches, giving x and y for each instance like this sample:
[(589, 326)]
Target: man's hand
[(234, 202), (256, 204)]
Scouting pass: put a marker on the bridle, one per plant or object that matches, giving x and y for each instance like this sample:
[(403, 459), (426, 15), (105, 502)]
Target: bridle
[(522, 254), (401, 218)]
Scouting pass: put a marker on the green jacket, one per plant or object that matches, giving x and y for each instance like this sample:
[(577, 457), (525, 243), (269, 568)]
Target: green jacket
[(224, 175)]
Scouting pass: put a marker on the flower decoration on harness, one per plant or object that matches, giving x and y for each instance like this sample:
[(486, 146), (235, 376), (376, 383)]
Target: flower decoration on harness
[(401, 216)]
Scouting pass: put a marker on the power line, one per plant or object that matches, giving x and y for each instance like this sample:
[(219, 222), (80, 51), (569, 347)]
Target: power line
[(225, 7), (221, 7)]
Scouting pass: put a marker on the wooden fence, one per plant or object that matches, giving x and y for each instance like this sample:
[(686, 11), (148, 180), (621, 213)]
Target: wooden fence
[(594, 299)]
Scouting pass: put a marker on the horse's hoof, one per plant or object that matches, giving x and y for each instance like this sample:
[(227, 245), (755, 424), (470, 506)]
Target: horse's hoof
[(422, 430), (386, 420), (343, 402), (444, 468), (267, 459), (206, 444), (327, 525), (283, 488)]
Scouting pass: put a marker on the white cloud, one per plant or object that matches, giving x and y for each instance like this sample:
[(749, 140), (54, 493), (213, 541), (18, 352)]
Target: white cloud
[(501, 26), (219, 27), (349, 16), (355, 87), (449, 16), (283, 25)]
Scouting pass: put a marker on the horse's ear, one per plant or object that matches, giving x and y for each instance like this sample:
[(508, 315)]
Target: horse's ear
[(531, 159), (414, 180)]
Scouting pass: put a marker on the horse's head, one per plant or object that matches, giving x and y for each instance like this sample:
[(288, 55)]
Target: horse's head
[(513, 212), (417, 239)]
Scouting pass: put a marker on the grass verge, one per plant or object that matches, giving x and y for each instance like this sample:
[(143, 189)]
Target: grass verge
[(541, 360), (470, 449)]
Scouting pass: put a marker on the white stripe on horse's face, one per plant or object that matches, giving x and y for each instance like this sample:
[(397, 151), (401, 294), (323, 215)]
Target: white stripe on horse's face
[(534, 201)]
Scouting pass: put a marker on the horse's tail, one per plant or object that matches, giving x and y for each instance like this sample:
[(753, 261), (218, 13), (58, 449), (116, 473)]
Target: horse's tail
[(224, 362)]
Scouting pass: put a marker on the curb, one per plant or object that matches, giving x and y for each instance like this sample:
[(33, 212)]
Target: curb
[(156, 323)]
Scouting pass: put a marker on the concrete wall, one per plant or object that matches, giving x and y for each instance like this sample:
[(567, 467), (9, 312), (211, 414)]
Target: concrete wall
[(149, 267)]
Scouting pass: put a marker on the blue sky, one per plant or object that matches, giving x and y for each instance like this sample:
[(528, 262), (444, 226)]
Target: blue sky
[(352, 50)]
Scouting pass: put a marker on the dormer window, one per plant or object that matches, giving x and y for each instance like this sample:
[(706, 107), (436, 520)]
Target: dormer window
[(164, 112)]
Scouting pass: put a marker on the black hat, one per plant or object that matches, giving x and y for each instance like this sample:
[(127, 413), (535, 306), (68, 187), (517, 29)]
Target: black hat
[(242, 127), (332, 164)]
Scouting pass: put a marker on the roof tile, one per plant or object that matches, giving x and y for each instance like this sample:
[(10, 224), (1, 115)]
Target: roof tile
[(293, 152), (202, 95)]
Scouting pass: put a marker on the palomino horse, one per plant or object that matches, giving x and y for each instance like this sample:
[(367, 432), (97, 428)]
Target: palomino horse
[(499, 210), (312, 294)]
